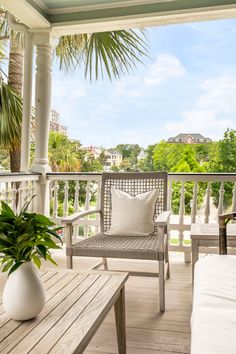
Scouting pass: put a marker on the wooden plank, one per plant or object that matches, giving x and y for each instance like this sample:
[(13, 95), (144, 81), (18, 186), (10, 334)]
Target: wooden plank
[(84, 327), (7, 325), (55, 296), (60, 314)]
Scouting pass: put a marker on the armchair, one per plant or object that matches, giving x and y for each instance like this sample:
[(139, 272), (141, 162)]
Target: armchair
[(149, 247)]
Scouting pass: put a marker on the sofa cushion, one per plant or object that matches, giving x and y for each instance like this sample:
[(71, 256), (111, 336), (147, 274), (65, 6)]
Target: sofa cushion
[(213, 319)]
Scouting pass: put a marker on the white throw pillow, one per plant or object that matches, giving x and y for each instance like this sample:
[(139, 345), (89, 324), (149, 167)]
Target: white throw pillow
[(132, 216)]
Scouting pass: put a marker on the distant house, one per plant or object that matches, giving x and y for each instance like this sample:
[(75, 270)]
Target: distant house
[(92, 151), (113, 158), (189, 139)]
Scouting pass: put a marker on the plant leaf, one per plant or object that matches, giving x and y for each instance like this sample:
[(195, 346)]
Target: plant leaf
[(42, 250), (7, 266), (36, 260), (15, 266), (49, 258)]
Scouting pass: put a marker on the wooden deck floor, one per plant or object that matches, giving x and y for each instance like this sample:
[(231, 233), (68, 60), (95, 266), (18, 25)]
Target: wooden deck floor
[(148, 332)]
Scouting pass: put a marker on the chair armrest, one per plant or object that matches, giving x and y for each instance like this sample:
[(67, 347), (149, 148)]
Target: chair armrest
[(163, 218), (227, 217), (223, 221), (72, 218)]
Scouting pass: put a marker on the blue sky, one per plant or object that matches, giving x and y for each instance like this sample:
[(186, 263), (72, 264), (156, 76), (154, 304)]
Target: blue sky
[(189, 86)]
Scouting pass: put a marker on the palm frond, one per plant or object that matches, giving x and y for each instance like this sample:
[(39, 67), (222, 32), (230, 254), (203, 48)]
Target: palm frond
[(68, 50), (10, 116), (111, 53)]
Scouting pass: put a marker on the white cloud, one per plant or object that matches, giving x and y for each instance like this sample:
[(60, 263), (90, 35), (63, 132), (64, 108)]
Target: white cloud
[(67, 90), (167, 66), (133, 137), (213, 111)]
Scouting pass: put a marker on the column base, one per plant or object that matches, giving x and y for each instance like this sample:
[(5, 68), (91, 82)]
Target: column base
[(43, 169)]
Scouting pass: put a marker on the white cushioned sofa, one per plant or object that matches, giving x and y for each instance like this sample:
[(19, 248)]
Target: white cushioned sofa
[(213, 319)]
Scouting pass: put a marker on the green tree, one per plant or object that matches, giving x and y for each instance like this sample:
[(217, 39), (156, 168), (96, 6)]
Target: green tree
[(146, 164), (129, 153), (102, 157), (227, 151), (224, 161), (63, 153), (166, 156)]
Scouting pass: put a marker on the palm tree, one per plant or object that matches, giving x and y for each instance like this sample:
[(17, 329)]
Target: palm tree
[(112, 53), (63, 154), (11, 109)]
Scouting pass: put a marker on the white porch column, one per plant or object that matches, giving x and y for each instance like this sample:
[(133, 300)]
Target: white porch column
[(42, 100), (27, 102), (42, 110)]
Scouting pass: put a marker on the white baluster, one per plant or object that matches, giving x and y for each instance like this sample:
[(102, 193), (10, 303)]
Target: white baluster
[(86, 207), (55, 200), (13, 199), (20, 197), (234, 198), (98, 203), (169, 200), (76, 205), (181, 212), (207, 202), (76, 199), (27, 191), (34, 194), (1, 193), (194, 203), (7, 193), (221, 199), (65, 202)]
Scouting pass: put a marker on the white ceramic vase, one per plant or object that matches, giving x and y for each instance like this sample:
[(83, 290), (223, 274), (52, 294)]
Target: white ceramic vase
[(23, 295)]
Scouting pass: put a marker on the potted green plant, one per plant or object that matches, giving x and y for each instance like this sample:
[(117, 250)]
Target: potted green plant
[(25, 239)]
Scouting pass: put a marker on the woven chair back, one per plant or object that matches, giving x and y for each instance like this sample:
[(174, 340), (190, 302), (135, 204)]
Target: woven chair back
[(133, 183)]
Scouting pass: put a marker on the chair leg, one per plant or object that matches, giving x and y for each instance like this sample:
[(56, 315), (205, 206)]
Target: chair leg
[(69, 262), (167, 261), (105, 263), (162, 285)]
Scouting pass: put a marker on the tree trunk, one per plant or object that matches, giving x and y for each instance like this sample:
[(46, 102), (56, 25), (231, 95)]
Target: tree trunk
[(15, 152), (15, 80)]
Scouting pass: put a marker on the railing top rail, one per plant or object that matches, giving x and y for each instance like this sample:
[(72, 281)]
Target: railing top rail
[(202, 177), (19, 177), (201, 174), (74, 174)]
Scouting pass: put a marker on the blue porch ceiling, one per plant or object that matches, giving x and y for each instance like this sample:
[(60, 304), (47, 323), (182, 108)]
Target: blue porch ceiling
[(80, 16)]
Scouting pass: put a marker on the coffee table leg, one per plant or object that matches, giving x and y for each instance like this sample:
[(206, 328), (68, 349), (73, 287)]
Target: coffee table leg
[(120, 321)]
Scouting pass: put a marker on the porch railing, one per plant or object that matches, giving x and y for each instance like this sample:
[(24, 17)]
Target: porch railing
[(197, 197), (192, 198), (18, 188), (73, 192)]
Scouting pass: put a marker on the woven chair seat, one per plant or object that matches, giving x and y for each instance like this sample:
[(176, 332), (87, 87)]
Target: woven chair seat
[(133, 247)]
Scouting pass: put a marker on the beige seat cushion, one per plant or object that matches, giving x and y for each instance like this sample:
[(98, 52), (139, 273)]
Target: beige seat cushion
[(214, 306)]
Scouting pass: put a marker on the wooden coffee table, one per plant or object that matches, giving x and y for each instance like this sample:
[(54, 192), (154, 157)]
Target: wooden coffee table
[(75, 307), (207, 235)]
